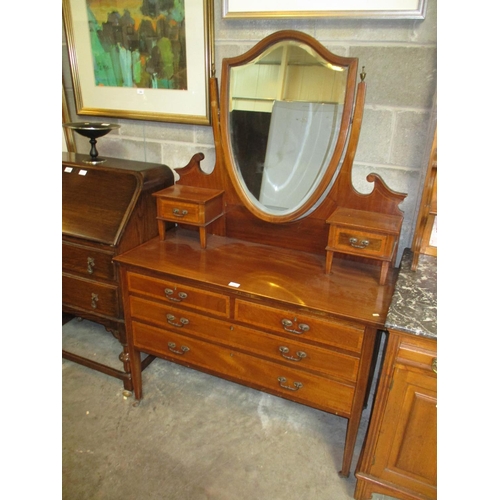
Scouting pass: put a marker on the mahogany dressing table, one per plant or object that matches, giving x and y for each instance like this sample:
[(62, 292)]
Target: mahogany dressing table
[(255, 305)]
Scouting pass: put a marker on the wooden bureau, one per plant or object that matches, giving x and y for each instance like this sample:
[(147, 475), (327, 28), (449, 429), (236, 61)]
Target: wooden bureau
[(106, 209), (271, 321)]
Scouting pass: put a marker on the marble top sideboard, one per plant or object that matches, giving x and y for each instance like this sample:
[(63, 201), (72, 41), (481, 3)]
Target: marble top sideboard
[(413, 307)]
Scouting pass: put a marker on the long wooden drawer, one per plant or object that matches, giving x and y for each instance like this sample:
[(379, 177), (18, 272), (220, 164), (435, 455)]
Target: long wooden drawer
[(88, 262), (336, 333), (293, 352), (99, 298), (300, 386), (178, 294)]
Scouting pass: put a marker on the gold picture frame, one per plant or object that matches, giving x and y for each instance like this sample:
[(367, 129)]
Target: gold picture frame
[(135, 96), (68, 141), (352, 9)]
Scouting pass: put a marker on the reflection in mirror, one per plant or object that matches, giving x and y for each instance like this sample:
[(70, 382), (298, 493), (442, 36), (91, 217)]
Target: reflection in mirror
[(286, 111)]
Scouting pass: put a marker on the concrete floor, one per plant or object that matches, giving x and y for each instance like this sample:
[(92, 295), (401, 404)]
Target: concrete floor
[(192, 437)]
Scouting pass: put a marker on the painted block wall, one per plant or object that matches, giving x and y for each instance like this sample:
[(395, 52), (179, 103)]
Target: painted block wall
[(400, 59)]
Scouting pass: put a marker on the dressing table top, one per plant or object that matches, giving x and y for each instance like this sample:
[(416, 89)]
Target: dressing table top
[(351, 291)]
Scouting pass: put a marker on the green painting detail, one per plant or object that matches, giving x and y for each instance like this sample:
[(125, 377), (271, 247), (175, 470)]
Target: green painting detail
[(142, 44)]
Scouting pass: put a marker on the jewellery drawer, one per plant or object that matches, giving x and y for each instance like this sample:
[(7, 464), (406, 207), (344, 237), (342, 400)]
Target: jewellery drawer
[(362, 243), (88, 262), (175, 293), (174, 210), (90, 295), (190, 205), (292, 352), (304, 326), (300, 386)]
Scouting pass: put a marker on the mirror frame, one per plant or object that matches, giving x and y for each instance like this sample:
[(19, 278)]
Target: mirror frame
[(323, 187)]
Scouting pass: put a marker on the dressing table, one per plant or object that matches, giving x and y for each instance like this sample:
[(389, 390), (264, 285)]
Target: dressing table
[(255, 305)]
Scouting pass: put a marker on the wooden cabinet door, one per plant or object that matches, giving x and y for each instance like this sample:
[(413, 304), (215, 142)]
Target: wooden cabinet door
[(407, 443)]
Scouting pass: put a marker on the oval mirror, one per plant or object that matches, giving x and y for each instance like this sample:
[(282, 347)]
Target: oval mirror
[(286, 107)]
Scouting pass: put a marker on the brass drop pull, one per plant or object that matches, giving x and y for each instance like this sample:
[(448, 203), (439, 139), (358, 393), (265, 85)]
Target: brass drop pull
[(90, 265), (296, 385), (171, 347), (93, 300), (289, 327), (179, 213), (284, 352), (171, 321), (434, 365), (180, 295), (354, 243)]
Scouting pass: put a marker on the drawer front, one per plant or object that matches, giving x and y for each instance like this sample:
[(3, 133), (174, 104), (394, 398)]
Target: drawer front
[(98, 298), (178, 294), (179, 211), (420, 353), (88, 262), (362, 243), (293, 384), (335, 333), (292, 352)]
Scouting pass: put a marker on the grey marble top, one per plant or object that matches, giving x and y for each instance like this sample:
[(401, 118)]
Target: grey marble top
[(413, 307)]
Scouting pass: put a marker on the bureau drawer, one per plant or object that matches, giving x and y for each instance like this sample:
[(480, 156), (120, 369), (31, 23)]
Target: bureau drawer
[(362, 243), (175, 293), (99, 298), (293, 384), (332, 332), (295, 353), (88, 262)]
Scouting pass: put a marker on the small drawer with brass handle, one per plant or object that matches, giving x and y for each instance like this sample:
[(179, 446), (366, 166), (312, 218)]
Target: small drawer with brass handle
[(189, 205), (364, 234)]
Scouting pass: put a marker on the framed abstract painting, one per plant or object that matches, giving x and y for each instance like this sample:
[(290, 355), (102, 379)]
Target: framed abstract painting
[(141, 59)]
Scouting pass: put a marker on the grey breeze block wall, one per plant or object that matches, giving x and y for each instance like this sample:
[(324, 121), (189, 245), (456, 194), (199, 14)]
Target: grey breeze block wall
[(400, 59)]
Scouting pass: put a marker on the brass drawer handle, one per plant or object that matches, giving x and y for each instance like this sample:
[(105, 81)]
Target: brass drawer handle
[(179, 213), (180, 295), (90, 265), (171, 347), (284, 352), (362, 244), (171, 321), (434, 365), (288, 326), (296, 387), (93, 300)]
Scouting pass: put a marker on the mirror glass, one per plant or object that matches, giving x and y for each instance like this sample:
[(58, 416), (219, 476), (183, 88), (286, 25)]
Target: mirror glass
[(285, 113)]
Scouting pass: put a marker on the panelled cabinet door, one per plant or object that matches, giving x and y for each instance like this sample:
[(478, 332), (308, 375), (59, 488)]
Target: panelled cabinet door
[(407, 442)]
